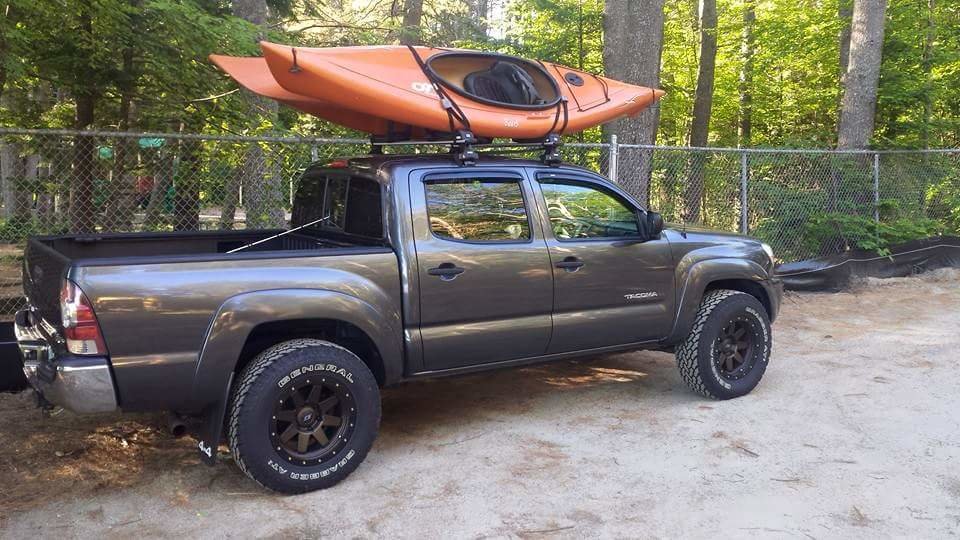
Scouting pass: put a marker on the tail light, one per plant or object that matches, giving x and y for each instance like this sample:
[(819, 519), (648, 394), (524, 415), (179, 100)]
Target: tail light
[(80, 326)]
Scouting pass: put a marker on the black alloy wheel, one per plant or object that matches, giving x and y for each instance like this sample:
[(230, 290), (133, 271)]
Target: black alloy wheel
[(734, 349), (313, 421)]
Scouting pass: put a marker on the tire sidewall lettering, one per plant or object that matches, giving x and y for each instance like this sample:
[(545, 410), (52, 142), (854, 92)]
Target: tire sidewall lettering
[(764, 327), (287, 471), (313, 368)]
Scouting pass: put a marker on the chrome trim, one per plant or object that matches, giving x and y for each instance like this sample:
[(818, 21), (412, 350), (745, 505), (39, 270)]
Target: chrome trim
[(82, 385), (79, 384)]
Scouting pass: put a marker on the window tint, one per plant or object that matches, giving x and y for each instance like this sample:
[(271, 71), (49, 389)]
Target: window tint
[(352, 202), (580, 211), (477, 210)]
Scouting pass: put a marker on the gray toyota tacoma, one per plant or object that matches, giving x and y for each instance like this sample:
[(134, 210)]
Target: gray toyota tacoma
[(395, 268)]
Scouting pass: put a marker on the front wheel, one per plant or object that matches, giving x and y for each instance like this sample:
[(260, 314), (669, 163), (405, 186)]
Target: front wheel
[(727, 350), (303, 416)]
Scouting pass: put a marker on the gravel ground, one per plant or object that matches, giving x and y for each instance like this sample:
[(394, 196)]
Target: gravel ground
[(854, 432)]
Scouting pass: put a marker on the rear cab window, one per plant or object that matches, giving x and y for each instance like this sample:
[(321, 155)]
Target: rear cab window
[(352, 204), (486, 210)]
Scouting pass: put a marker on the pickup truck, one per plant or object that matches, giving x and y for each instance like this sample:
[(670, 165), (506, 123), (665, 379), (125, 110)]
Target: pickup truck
[(394, 268)]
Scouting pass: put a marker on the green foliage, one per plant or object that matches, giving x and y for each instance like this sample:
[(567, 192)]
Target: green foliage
[(861, 232), (78, 48), (52, 52)]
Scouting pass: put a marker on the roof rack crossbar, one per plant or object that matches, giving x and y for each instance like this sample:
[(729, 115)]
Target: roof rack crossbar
[(464, 146)]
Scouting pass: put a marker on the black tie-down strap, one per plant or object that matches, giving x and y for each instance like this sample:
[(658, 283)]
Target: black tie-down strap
[(561, 110), (454, 113)]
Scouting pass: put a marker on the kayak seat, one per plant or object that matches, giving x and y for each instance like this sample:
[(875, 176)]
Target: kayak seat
[(503, 83)]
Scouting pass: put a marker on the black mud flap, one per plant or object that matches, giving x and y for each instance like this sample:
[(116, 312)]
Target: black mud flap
[(12, 378), (211, 428)]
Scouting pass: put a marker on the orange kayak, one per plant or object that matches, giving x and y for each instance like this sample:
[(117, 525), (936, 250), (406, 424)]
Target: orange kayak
[(386, 89), (254, 75)]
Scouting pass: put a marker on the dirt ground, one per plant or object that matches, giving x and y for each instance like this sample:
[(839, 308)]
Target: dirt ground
[(854, 432)]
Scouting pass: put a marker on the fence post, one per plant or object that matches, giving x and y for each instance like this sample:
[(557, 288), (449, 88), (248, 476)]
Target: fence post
[(614, 158), (744, 178), (876, 188)]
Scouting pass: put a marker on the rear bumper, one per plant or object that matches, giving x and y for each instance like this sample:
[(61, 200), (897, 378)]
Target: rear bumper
[(82, 384)]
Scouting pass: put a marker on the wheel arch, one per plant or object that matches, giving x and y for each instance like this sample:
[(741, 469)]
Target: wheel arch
[(739, 274), (347, 335), (256, 314), (747, 286)]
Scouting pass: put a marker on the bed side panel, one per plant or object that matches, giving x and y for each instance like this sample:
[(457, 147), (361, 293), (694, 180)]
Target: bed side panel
[(155, 316)]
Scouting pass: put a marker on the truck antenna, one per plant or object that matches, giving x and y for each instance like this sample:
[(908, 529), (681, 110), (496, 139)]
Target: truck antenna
[(278, 235)]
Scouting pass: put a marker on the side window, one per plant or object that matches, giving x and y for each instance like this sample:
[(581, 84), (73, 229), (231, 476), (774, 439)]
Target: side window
[(477, 210), (581, 211)]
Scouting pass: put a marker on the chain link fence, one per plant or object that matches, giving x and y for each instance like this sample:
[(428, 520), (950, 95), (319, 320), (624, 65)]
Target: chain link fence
[(804, 203)]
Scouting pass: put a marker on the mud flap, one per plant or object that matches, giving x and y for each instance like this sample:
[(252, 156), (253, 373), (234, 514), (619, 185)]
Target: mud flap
[(211, 428)]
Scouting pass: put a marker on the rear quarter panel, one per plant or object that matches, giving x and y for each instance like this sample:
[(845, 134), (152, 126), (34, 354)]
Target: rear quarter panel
[(155, 317)]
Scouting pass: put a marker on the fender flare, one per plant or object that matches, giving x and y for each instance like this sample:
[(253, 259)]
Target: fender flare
[(695, 281), (240, 314)]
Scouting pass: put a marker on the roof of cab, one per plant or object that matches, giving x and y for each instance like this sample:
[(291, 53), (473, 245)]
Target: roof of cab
[(387, 163)]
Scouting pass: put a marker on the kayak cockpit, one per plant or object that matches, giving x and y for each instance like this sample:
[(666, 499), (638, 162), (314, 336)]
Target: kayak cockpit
[(496, 79)]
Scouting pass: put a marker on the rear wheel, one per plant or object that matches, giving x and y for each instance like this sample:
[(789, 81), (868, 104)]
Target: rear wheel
[(727, 350), (303, 416)]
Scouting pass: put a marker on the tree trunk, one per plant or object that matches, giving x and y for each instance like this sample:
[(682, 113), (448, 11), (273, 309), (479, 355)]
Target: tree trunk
[(45, 199), (82, 211), (3, 50), (121, 198), (930, 37), (481, 11), (747, 50), (410, 27), (261, 177), (632, 46), (162, 180), (702, 105), (863, 74), (186, 198), (12, 173), (844, 14), (231, 189), (252, 11), (263, 188)]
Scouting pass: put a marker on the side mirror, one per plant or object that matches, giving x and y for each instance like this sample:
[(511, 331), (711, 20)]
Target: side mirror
[(654, 225)]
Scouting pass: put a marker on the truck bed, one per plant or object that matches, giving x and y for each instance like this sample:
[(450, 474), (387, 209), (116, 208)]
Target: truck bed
[(47, 258)]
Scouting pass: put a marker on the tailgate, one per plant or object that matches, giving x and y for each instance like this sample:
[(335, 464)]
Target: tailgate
[(43, 272)]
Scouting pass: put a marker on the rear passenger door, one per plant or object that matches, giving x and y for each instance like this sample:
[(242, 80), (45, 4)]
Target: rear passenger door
[(486, 291)]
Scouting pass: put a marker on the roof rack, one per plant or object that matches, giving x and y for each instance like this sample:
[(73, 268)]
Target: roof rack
[(463, 145)]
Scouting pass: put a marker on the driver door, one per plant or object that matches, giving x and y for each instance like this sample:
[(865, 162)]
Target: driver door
[(611, 286)]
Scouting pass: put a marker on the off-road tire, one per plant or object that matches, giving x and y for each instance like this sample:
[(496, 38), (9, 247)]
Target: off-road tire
[(697, 355), (274, 373)]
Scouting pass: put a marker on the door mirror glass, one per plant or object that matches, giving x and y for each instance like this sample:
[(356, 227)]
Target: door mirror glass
[(654, 225)]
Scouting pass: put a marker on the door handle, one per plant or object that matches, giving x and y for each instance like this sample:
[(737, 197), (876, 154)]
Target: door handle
[(570, 264), (446, 271)]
